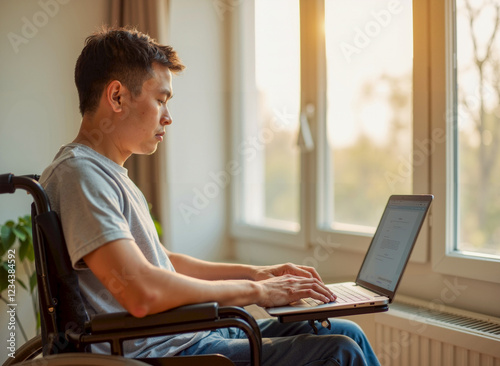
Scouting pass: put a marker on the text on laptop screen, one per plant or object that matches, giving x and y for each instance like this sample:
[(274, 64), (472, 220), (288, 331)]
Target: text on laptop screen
[(387, 255)]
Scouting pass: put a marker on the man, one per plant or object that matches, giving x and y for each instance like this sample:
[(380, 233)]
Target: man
[(124, 81)]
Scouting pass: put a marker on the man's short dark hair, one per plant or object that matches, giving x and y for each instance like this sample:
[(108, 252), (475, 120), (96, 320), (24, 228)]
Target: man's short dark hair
[(122, 54)]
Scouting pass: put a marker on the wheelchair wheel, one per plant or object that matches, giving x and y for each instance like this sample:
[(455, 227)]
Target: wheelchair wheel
[(82, 359), (27, 351)]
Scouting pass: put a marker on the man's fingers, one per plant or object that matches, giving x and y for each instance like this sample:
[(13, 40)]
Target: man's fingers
[(331, 296), (311, 271), (304, 271), (324, 292), (289, 288), (310, 287)]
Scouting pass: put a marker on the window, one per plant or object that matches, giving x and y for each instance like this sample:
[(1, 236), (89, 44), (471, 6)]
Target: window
[(270, 156), (376, 106), (306, 65), (368, 111), (464, 102), (268, 194), (476, 158)]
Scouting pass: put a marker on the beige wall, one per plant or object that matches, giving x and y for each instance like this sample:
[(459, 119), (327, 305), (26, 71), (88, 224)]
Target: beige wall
[(196, 141), (39, 44), (39, 109), (38, 101)]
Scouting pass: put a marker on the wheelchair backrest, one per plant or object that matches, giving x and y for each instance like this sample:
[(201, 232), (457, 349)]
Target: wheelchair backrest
[(61, 304)]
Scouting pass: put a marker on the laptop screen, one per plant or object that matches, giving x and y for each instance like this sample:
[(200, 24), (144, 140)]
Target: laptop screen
[(393, 242)]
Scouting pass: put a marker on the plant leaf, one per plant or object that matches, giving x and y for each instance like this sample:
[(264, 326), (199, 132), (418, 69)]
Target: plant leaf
[(38, 321), (26, 250), (22, 284), (25, 220), (8, 237), (31, 252), (4, 283), (29, 231), (158, 228), (19, 232), (33, 282), (3, 249), (23, 250)]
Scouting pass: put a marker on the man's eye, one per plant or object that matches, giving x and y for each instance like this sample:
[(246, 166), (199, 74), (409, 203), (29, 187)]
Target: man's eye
[(162, 101)]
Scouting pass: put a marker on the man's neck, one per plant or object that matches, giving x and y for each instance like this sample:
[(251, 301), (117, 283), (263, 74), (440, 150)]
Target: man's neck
[(96, 133)]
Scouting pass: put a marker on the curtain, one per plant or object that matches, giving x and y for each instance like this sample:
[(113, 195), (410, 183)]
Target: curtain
[(142, 14), (148, 16)]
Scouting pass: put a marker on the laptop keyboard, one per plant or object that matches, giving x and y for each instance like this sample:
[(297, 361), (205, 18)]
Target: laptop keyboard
[(347, 294), (344, 294)]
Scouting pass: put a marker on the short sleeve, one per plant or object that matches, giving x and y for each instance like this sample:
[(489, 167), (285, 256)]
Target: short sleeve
[(90, 205)]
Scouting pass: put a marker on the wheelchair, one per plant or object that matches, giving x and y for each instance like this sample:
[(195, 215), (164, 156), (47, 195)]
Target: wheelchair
[(67, 332)]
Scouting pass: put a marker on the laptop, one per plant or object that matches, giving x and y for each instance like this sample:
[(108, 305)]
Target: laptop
[(383, 265)]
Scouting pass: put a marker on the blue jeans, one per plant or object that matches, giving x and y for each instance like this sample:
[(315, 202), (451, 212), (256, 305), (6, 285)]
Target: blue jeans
[(293, 344)]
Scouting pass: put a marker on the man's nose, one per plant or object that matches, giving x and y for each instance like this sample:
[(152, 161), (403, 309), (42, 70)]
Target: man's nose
[(166, 119)]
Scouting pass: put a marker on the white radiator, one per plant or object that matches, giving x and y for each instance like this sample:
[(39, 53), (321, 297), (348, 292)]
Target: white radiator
[(409, 335)]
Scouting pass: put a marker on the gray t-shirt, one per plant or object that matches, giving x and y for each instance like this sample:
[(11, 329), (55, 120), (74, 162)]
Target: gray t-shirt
[(98, 203)]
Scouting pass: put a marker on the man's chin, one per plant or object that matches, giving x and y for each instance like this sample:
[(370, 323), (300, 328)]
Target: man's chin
[(147, 150), (154, 150)]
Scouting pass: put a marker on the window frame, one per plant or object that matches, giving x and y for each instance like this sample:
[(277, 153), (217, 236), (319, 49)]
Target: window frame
[(242, 65), (431, 99), (359, 242), (445, 259)]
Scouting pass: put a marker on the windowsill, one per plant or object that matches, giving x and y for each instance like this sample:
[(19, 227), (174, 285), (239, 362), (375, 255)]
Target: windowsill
[(460, 264), (420, 281)]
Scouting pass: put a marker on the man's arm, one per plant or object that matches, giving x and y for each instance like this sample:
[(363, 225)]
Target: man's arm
[(197, 268), (143, 289), (204, 270)]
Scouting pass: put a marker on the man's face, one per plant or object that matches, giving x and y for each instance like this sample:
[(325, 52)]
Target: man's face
[(145, 116)]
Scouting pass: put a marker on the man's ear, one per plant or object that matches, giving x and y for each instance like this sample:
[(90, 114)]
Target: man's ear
[(114, 95)]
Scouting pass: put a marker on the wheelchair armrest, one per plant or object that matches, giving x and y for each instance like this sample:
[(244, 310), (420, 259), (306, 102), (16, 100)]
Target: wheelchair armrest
[(102, 323), (119, 327)]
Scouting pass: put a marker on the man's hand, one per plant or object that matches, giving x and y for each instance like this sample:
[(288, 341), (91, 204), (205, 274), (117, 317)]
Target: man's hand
[(285, 289), (266, 272), (285, 283)]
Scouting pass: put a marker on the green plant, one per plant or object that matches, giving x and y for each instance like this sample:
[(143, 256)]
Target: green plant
[(16, 247), (158, 227)]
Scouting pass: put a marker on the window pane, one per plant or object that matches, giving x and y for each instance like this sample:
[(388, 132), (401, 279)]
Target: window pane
[(271, 157), (477, 129), (368, 155)]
